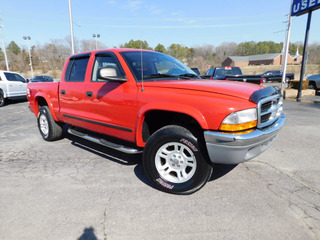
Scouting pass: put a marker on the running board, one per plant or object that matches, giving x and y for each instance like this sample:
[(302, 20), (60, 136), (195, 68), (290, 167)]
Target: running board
[(104, 142)]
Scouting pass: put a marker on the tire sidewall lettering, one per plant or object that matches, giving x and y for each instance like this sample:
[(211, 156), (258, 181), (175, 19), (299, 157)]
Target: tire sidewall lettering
[(189, 144)]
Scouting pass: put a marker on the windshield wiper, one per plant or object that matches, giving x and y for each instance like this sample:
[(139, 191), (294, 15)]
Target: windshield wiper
[(158, 75), (188, 75)]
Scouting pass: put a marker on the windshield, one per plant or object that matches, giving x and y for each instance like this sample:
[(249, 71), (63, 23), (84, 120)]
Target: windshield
[(156, 66)]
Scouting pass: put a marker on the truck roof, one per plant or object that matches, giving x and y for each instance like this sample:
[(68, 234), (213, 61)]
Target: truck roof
[(118, 50)]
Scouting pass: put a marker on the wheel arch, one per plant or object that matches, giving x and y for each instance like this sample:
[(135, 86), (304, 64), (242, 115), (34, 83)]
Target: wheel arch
[(3, 93), (152, 119), (313, 83), (41, 100)]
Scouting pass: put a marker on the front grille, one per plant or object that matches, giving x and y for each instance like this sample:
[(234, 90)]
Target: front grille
[(269, 109)]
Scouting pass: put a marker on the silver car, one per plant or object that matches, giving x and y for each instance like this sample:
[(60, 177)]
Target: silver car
[(314, 81)]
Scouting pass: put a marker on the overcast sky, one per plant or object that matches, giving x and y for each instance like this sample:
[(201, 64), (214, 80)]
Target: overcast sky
[(190, 23)]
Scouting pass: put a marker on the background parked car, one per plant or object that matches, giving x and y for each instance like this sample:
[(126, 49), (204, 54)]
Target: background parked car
[(41, 79), (276, 76), (12, 85), (314, 81)]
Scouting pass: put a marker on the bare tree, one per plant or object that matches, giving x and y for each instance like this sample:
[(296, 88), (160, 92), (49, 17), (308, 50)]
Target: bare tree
[(225, 50)]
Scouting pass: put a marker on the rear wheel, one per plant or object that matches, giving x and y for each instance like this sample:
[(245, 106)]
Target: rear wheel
[(49, 129), (174, 162)]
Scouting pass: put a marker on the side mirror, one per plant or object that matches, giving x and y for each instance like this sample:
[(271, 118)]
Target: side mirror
[(110, 74)]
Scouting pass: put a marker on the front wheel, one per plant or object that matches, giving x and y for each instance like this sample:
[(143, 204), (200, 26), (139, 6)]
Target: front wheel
[(49, 129), (174, 162), (2, 100)]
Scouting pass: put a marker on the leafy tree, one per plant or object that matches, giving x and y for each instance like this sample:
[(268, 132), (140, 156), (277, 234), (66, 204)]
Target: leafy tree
[(13, 48), (253, 48), (138, 44), (180, 52), (160, 48), (293, 48)]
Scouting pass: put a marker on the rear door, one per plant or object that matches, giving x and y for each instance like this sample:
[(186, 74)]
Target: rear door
[(72, 90)]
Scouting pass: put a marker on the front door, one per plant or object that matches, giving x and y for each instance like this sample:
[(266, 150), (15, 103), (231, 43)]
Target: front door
[(16, 85), (111, 105)]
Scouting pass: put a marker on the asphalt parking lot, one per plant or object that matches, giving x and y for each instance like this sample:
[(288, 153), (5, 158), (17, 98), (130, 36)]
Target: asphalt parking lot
[(72, 189)]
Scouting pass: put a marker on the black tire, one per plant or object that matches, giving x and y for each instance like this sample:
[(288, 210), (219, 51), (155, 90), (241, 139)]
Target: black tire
[(176, 151), (312, 85), (49, 129), (2, 100)]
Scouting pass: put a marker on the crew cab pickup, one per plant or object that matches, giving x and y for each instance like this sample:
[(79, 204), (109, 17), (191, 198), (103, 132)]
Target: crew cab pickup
[(143, 101), (231, 74), (12, 85)]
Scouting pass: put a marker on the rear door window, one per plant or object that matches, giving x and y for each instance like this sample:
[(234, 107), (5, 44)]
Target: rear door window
[(76, 70)]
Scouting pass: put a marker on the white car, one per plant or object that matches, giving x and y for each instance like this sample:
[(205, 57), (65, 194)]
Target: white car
[(12, 85)]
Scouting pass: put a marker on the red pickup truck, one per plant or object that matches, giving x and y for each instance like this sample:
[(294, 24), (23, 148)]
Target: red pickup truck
[(144, 101)]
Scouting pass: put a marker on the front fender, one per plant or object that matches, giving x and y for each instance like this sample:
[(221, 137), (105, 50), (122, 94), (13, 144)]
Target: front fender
[(4, 94), (170, 107)]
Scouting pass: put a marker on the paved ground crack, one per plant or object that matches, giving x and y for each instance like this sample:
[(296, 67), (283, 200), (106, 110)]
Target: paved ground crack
[(300, 204)]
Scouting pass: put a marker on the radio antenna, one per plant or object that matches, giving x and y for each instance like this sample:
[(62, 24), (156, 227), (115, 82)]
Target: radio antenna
[(142, 87)]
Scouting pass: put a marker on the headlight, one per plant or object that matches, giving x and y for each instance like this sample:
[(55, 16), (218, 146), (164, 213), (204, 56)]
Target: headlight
[(239, 121)]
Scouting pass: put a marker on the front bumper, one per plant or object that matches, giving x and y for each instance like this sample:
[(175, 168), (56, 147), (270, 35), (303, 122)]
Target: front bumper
[(234, 149)]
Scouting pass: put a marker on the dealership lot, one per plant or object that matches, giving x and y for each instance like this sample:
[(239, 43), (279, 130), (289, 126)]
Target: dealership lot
[(72, 189)]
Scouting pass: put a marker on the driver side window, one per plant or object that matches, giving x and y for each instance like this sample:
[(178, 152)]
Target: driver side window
[(103, 62)]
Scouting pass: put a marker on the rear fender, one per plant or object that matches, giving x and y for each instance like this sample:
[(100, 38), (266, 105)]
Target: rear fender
[(38, 97)]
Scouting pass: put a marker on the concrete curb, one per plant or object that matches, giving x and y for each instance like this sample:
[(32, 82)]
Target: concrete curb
[(292, 93)]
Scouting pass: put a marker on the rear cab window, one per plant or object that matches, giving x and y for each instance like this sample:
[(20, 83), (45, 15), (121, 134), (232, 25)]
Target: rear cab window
[(221, 72), (76, 69)]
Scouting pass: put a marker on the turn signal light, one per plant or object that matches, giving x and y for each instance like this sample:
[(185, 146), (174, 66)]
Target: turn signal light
[(237, 127)]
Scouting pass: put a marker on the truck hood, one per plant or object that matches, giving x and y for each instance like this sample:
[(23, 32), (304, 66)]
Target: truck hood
[(229, 88)]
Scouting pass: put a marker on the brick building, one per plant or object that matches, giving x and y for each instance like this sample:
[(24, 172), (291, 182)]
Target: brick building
[(262, 59)]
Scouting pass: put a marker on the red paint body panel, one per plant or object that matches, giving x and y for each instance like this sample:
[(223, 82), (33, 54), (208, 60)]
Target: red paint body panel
[(119, 108)]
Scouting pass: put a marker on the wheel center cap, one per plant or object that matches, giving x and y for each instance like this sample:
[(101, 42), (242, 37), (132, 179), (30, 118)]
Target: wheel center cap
[(176, 160)]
